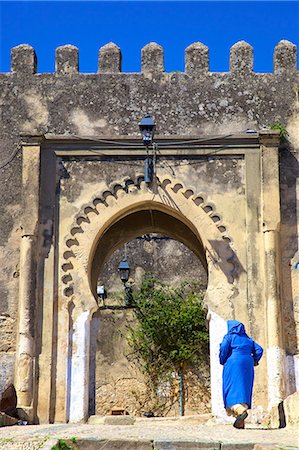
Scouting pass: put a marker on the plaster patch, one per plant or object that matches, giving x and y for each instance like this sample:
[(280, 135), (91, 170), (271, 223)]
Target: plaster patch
[(37, 112), (85, 126), (293, 129), (231, 127)]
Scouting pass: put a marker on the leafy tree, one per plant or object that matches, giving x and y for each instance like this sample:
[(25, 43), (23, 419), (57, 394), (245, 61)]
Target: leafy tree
[(171, 332)]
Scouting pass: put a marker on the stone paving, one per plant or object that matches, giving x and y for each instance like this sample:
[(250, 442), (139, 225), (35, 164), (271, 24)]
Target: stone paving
[(172, 435)]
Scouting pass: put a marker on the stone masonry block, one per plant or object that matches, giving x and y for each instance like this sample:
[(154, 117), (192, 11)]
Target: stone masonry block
[(114, 444), (23, 60), (6, 420), (67, 61), (267, 447), (285, 57), (7, 362), (186, 445), (110, 58), (241, 58), (291, 410), (197, 58), (119, 420), (152, 58), (237, 446)]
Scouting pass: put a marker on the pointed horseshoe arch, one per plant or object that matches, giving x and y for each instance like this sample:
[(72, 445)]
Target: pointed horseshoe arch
[(207, 237), (116, 215)]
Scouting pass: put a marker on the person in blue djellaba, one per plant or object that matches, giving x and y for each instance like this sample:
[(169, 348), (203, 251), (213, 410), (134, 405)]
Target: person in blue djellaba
[(238, 354)]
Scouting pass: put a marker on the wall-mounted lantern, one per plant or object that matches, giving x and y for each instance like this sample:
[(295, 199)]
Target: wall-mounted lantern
[(147, 128), (124, 270), (124, 273), (101, 293)]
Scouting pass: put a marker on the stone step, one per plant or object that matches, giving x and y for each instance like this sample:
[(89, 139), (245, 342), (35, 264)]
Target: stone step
[(143, 444)]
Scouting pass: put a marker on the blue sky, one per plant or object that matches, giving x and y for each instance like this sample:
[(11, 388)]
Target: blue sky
[(132, 24)]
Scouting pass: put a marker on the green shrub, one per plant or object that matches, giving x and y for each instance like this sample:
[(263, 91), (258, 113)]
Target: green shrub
[(171, 332), (283, 134)]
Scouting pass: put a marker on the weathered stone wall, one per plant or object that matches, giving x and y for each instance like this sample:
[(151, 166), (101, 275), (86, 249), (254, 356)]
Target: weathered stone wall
[(157, 254), (119, 382), (110, 102)]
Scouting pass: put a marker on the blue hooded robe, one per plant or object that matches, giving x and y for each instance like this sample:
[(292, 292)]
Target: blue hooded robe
[(238, 353)]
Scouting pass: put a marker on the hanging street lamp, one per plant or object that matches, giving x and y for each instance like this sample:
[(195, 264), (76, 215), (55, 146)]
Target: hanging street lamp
[(124, 270), (124, 273), (147, 128)]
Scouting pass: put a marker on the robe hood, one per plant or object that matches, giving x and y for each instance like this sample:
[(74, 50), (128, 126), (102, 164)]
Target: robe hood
[(235, 327)]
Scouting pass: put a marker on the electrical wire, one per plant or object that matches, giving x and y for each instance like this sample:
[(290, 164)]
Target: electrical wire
[(129, 144), (9, 159), (132, 144), (160, 144)]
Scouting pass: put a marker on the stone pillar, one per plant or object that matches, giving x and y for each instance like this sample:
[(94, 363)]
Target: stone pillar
[(24, 375), (25, 349), (63, 360), (295, 283), (271, 223), (79, 388)]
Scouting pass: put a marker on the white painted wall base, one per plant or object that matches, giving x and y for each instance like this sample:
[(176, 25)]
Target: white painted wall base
[(296, 371), (218, 328), (79, 383), (290, 375)]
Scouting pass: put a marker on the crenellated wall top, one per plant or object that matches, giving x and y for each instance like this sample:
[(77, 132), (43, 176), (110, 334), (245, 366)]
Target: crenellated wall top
[(24, 60)]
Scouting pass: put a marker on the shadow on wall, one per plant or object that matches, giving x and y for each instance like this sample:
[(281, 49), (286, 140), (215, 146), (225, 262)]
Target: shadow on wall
[(224, 257), (289, 174)]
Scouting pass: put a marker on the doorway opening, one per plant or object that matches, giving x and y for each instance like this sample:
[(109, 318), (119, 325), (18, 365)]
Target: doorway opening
[(172, 253)]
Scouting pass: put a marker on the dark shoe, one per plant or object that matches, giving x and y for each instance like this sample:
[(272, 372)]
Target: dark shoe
[(239, 422)]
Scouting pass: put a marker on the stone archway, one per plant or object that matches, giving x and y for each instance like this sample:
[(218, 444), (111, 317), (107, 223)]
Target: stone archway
[(98, 228)]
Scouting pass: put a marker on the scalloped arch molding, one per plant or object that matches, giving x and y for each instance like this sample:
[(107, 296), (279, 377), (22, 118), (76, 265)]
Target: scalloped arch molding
[(124, 197)]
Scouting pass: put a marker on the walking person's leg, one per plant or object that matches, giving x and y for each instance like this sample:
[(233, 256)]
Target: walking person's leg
[(240, 412)]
